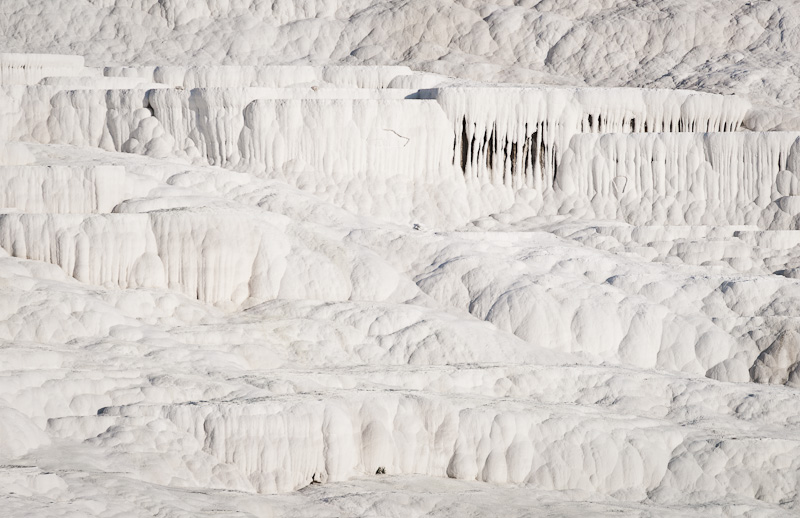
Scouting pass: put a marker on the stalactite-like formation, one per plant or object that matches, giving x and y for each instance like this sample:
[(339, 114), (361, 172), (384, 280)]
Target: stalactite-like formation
[(504, 116), (541, 138), (728, 174)]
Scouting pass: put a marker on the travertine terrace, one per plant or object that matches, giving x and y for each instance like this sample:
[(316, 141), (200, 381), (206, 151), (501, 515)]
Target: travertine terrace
[(385, 283)]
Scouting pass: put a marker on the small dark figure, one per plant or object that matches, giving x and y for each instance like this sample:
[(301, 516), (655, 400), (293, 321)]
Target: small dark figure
[(417, 226), (314, 479), (381, 471)]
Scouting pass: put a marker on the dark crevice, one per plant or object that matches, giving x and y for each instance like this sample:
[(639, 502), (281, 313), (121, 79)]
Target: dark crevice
[(464, 145), (490, 151), (555, 163), (513, 159), (473, 151), (526, 151), (505, 159), (542, 153)]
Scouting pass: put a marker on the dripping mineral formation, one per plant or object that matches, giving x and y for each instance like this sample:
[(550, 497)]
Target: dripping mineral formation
[(376, 284)]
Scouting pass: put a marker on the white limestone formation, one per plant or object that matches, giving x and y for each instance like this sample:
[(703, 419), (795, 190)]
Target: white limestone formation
[(276, 76), (379, 258), (708, 178), (62, 189), (29, 69)]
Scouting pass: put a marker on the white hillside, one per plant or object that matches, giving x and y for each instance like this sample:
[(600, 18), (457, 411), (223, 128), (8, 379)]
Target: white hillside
[(399, 259), (724, 46)]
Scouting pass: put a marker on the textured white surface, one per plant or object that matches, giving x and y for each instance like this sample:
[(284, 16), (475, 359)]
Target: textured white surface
[(509, 357), (242, 276), (727, 46)]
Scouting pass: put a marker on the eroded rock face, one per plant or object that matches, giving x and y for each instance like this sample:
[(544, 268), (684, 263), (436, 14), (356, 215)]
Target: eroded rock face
[(714, 45), (780, 362), (231, 286)]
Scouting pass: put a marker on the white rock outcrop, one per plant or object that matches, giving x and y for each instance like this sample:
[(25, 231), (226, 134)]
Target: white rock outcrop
[(376, 258)]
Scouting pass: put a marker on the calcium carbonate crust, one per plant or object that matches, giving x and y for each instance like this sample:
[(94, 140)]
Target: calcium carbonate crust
[(291, 259)]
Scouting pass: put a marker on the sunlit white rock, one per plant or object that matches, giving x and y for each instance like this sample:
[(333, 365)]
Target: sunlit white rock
[(234, 262)]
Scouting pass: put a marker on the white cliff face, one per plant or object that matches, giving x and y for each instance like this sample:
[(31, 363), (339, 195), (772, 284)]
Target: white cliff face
[(242, 274), (62, 189), (29, 69), (696, 179), (440, 156), (216, 256)]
